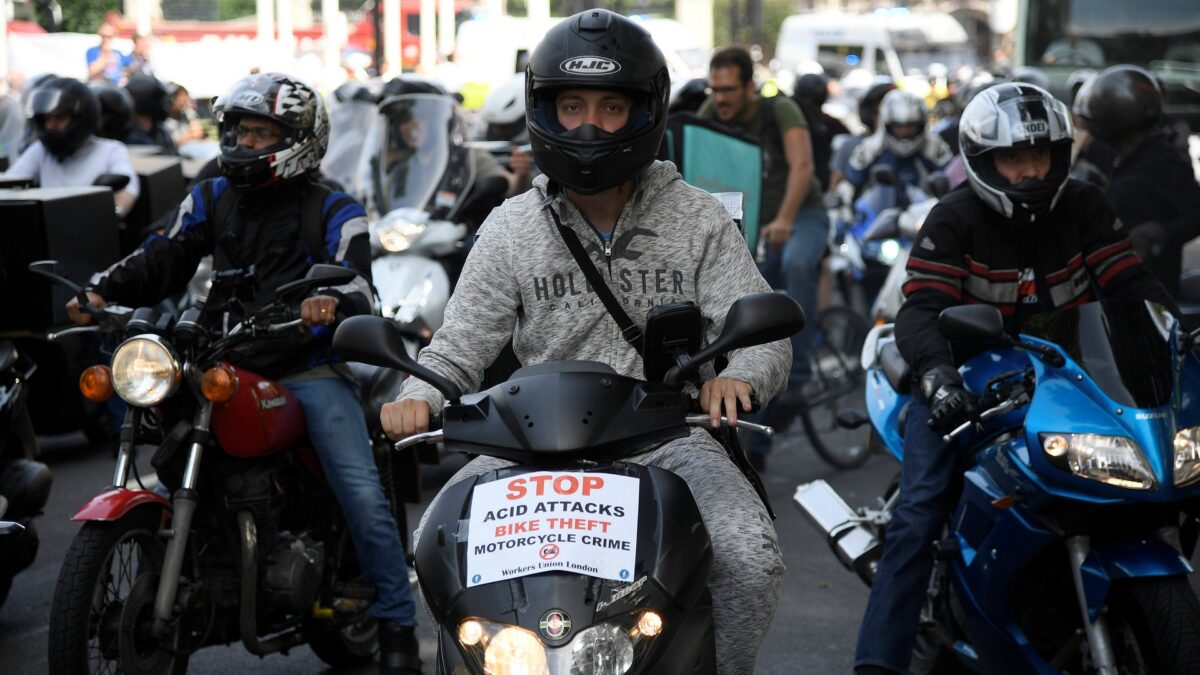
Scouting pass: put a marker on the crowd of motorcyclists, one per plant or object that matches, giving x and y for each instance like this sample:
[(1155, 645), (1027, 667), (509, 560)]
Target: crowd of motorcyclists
[(1052, 204)]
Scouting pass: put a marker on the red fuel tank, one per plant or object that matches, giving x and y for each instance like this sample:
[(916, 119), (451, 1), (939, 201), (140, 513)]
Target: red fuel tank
[(262, 418)]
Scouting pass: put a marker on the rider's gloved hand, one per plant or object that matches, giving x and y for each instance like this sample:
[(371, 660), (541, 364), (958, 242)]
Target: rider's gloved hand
[(950, 404), (76, 313)]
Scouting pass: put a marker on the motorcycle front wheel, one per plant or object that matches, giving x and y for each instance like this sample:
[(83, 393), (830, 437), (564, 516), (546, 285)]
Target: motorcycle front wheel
[(1154, 626), (105, 597)]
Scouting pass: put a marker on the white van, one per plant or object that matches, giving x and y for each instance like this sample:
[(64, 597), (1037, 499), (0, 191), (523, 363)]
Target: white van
[(893, 43)]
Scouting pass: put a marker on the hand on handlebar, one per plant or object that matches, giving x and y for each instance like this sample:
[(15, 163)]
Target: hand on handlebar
[(318, 310), (405, 417), (77, 314), (729, 392)]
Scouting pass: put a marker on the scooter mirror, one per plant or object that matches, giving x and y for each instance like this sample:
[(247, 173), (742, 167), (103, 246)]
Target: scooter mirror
[(883, 175), (753, 319), (937, 184), (972, 323), (115, 181), (318, 276), (380, 342)]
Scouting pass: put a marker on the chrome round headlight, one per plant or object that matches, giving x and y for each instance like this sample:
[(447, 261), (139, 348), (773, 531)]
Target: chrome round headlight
[(145, 370)]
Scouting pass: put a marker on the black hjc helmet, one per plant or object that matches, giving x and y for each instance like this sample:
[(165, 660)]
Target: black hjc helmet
[(596, 49), (116, 111), (1119, 100)]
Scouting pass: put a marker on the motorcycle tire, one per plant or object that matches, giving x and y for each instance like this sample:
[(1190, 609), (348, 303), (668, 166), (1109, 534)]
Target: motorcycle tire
[(837, 385), (1154, 622), (78, 633), (345, 646)]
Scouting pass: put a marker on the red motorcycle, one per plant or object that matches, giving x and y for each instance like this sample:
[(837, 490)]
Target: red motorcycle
[(252, 545)]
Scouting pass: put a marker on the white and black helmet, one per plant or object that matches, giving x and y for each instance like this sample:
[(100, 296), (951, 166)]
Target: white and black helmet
[(295, 106), (503, 112), (596, 49), (1015, 116), (903, 107)]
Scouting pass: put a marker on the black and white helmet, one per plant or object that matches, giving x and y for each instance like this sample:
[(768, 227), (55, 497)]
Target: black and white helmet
[(596, 49), (903, 107), (292, 104), (1014, 116)]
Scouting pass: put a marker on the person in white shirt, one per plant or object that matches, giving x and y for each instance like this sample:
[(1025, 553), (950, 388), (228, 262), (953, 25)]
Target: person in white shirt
[(67, 152)]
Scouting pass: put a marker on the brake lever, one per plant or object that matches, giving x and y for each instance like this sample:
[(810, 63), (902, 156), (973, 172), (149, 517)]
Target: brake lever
[(1000, 409), (706, 421)]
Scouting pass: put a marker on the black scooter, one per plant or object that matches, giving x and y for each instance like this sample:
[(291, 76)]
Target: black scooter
[(24, 481), (572, 561)]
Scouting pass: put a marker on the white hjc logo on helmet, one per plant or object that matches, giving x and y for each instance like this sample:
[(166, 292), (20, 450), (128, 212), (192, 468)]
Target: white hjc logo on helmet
[(589, 65)]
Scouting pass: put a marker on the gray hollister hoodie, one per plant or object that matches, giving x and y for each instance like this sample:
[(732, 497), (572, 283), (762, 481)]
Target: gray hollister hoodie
[(672, 243)]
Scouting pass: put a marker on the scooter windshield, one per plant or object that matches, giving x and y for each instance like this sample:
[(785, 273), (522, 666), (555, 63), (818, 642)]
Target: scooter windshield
[(412, 139), (349, 124), (1123, 345)]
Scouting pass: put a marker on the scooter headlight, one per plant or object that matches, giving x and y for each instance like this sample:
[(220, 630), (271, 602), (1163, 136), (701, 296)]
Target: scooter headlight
[(1113, 460), (1187, 457), (607, 648), (145, 371), (399, 230)]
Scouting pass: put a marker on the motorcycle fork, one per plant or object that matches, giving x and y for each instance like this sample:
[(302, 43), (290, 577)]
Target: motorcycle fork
[(184, 506), (1097, 631), (125, 446)]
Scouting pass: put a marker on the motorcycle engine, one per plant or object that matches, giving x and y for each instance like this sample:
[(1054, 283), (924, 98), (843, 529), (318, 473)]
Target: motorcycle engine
[(293, 573)]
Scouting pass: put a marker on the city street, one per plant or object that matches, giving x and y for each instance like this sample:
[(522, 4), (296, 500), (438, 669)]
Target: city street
[(813, 631)]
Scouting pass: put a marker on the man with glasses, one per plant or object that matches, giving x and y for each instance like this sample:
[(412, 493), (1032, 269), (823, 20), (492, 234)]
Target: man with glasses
[(794, 227), (267, 210)]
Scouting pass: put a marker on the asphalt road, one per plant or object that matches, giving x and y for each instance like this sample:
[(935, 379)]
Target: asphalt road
[(813, 630)]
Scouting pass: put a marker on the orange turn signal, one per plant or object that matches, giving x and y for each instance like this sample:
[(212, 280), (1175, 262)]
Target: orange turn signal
[(96, 384), (219, 384)]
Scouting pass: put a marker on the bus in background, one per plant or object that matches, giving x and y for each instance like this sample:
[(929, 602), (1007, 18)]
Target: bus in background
[(1162, 36)]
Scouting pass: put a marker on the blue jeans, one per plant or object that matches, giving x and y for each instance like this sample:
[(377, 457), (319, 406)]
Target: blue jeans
[(339, 435), (889, 626), (795, 267)]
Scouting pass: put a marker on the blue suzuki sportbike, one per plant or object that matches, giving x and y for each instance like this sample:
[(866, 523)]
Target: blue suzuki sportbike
[(1067, 548)]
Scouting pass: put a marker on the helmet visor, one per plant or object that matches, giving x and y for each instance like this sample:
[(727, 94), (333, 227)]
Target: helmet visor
[(43, 101), (412, 140)]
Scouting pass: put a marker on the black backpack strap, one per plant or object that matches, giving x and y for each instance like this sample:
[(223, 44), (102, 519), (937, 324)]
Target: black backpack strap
[(312, 220), (220, 208), (629, 330)]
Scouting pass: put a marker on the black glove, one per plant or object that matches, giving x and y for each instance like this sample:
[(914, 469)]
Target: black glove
[(950, 404)]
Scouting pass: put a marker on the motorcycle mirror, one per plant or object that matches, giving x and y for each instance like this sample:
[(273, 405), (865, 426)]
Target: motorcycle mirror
[(7, 527), (49, 269), (883, 175), (380, 342), (115, 181), (937, 184), (318, 276), (753, 319), (972, 323)]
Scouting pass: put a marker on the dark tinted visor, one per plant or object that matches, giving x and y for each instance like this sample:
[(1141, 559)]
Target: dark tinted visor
[(43, 101)]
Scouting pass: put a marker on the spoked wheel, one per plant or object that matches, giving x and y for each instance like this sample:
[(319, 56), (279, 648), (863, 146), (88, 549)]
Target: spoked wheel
[(103, 607), (837, 387)]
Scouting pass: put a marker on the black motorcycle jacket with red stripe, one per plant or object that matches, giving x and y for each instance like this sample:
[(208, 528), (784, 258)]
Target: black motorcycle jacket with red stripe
[(968, 253)]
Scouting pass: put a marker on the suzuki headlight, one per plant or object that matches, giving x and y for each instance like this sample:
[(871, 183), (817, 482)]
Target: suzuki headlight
[(1187, 456), (1113, 460), (398, 235), (500, 649), (145, 371)]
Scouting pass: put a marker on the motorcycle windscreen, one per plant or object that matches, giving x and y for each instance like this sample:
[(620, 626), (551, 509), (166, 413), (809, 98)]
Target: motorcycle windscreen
[(718, 161), (412, 143), (1123, 345), (349, 124)]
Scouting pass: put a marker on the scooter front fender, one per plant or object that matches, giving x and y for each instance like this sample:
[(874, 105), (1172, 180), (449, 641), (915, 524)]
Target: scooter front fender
[(1127, 559), (116, 503)]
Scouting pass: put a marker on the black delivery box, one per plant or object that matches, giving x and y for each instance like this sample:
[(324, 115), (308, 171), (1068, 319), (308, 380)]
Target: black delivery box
[(162, 188), (75, 226)]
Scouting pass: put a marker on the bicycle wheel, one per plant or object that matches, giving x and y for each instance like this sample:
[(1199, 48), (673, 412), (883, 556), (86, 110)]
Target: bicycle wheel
[(837, 386)]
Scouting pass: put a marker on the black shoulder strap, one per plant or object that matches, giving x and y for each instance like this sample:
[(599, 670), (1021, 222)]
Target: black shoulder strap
[(629, 330), (220, 208)]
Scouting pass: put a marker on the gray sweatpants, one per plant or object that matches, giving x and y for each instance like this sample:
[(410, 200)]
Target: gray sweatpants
[(747, 565)]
